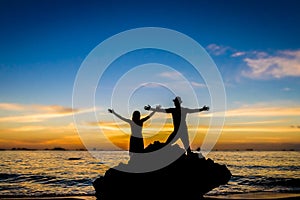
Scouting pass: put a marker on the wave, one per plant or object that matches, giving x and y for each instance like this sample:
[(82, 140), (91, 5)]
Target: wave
[(4, 176), (66, 176), (267, 181), (43, 179), (280, 168)]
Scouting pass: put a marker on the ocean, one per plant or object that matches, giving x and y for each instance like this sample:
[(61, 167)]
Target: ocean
[(71, 173)]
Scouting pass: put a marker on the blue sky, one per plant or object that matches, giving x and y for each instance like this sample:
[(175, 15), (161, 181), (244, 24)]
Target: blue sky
[(255, 45)]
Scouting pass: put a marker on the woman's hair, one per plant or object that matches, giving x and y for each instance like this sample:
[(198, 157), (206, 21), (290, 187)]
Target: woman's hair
[(136, 115)]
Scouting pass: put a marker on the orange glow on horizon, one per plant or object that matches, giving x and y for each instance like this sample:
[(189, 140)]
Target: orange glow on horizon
[(38, 127)]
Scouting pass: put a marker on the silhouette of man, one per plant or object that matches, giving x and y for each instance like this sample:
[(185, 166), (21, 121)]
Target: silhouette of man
[(136, 142), (179, 121)]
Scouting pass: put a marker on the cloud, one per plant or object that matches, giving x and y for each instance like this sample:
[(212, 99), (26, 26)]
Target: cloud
[(171, 75), (54, 109), (218, 50), (12, 107), (286, 89), (176, 80), (152, 85), (263, 65), (38, 128), (258, 110), (281, 64), (35, 108), (28, 128), (199, 85), (259, 122), (237, 54), (259, 129), (37, 113), (31, 118)]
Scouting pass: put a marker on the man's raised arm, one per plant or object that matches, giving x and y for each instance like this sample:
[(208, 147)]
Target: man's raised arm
[(204, 108)]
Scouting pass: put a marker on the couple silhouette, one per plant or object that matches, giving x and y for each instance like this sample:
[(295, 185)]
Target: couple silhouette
[(180, 131)]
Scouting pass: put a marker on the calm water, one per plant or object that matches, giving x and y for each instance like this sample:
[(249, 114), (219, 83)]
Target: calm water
[(61, 173)]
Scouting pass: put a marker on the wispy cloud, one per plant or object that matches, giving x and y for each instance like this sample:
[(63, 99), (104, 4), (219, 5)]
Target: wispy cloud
[(41, 128), (152, 85), (31, 118), (37, 113), (28, 128), (174, 75), (237, 54), (259, 122), (279, 65), (55, 109), (218, 50), (258, 110), (286, 89), (175, 79), (12, 107), (35, 108), (199, 85)]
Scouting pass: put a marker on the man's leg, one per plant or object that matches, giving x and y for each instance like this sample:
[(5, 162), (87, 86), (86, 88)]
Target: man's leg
[(185, 141)]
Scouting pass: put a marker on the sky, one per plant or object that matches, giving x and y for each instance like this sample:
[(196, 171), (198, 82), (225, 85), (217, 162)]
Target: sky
[(254, 45)]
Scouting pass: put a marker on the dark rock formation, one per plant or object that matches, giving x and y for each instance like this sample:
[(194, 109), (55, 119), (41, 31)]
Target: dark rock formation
[(188, 177)]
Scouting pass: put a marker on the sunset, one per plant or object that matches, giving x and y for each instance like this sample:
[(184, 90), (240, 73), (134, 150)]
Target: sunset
[(64, 64), (47, 126)]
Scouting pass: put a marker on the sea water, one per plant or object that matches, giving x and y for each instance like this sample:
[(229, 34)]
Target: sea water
[(65, 173)]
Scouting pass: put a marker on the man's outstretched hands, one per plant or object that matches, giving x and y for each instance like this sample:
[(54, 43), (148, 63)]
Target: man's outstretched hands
[(147, 107), (110, 110), (205, 108)]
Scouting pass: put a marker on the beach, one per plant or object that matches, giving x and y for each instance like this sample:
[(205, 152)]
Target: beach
[(248, 196), (257, 196)]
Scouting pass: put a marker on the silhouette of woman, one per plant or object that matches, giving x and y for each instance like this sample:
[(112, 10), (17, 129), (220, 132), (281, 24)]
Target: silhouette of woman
[(179, 114), (136, 142)]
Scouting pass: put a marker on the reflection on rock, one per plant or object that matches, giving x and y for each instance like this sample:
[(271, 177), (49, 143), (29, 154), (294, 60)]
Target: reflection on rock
[(189, 177)]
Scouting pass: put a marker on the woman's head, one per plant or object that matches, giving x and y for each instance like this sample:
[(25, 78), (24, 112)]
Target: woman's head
[(136, 115)]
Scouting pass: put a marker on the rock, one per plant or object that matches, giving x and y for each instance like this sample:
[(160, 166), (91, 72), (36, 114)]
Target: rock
[(188, 177)]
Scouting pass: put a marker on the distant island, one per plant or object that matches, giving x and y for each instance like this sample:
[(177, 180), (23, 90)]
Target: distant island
[(94, 149)]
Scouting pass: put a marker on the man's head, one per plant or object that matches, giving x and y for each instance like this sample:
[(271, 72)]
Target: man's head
[(177, 100)]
